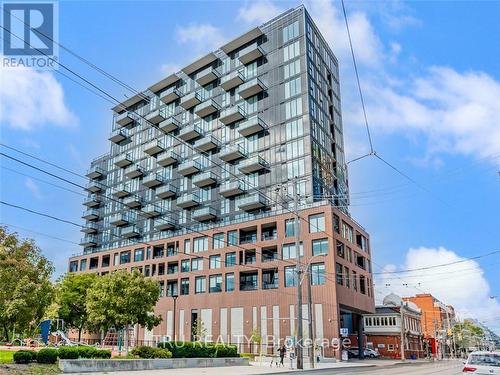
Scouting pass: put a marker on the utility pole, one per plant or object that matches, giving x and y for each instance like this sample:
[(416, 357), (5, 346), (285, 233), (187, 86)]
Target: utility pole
[(452, 345), (310, 314), (300, 363), (402, 343)]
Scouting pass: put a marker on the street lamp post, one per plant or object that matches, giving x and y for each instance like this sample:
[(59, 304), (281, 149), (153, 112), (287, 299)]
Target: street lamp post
[(174, 296)]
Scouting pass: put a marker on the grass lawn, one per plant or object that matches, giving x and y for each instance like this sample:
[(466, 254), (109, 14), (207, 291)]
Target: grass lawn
[(6, 356)]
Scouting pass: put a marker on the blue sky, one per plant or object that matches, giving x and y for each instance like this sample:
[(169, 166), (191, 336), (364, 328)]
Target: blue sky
[(431, 76)]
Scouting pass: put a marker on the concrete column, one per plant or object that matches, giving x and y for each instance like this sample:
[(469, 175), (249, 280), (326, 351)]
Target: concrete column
[(360, 338)]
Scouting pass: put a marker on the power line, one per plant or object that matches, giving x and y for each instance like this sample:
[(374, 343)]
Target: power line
[(39, 233), (41, 214)]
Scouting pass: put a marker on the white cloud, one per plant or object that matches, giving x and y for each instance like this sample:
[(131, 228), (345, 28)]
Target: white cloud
[(258, 12), (30, 99), (168, 69), (461, 285), (203, 37), (33, 187)]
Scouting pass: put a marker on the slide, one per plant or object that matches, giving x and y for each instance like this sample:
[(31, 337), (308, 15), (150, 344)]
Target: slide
[(65, 339)]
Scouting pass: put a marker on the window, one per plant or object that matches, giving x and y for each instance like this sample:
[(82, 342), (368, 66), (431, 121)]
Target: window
[(125, 257), (105, 261), (295, 149), (138, 255), (290, 228), (185, 286), (291, 31), (290, 276), (320, 246), (390, 347), (318, 274), (185, 265), (362, 286), (187, 247), (340, 249), (73, 266), (200, 284), (354, 281), (316, 223), (347, 277), (83, 264), (162, 288), (292, 88), (291, 69), (296, 168), (197, 264), (288, 251), (214, 262), (215, 284), (361, 241), (232, 237), (291, 51), (218, 240), (294, 129), (347, 232), (293, 108), (229, 282), (336, 224), (339, 274), (200, 244), (230, 259), (116, 259)]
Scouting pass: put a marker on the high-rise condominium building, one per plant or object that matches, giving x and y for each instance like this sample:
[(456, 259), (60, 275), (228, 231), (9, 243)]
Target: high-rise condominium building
[(197, 190)]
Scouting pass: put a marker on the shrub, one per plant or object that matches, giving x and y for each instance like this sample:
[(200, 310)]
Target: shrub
[(103, 354), (87, 351), (68, 352), (150, 352), (199, 350), (24, 356), (48, 356)]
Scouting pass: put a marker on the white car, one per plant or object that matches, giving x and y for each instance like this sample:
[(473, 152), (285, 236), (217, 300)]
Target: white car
[(487, 363)]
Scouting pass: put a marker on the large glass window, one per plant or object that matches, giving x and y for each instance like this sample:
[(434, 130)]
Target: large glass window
[(295, 168), (290, 276), (316, 223), (214, 261), (185, 286), (293, 108), (83, 264), (320, 246), (295, 149), (289, 227), (200, 244), (230, 259), (339, 274), (289, 252), (229, 282), (185, 265), (197, 264), (138, 255), (187, 246), (317, 274), (125, 257), (218, 240), (291, 51), (200, 285), (291, 31), (291, 69), (232, 237), (292, 88), (215, 284), (294, 129)]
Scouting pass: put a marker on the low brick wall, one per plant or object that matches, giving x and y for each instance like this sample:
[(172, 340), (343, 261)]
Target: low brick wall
[(108, 365)]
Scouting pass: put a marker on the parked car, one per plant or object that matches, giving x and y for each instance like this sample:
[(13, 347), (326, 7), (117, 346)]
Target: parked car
[(371, 353), (482, 363)]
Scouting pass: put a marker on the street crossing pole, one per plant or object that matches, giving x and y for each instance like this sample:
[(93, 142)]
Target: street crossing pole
[(300, 363)]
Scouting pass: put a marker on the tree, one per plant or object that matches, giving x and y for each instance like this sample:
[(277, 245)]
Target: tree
[(121, 299), (467, 334), (25, 290), (72, 292)]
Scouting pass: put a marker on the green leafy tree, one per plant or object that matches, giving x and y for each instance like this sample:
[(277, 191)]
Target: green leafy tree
[(72, 292), (25, 287), (467, 334), (121, 299)]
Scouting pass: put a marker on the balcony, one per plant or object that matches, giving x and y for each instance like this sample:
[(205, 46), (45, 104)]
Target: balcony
[(152, 180), (118, 135), (188, 200), (204, 214), (206, 108), (91, 214), (204, 179), (156, 116), (92, 201), (123, 161), (189, 167), (165, 223), (206, 143), (253, 202), (90, 227), (270, 279), (252, 126), (167, 158), (154, 147), (190, 100), (232, 153), (134, 171), (231, 115), (89, 241), (251, 88), (190, 132), (231, 189), (207, 75), (254, 164), (95, 173), (250, 53), (166, 191), (248, 280), (119, 220), (170, 95), (133, 202), (151, 210), (124, 119), (169, 125), (121, 191), (131, 232), (93, 187), (232, 80)]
